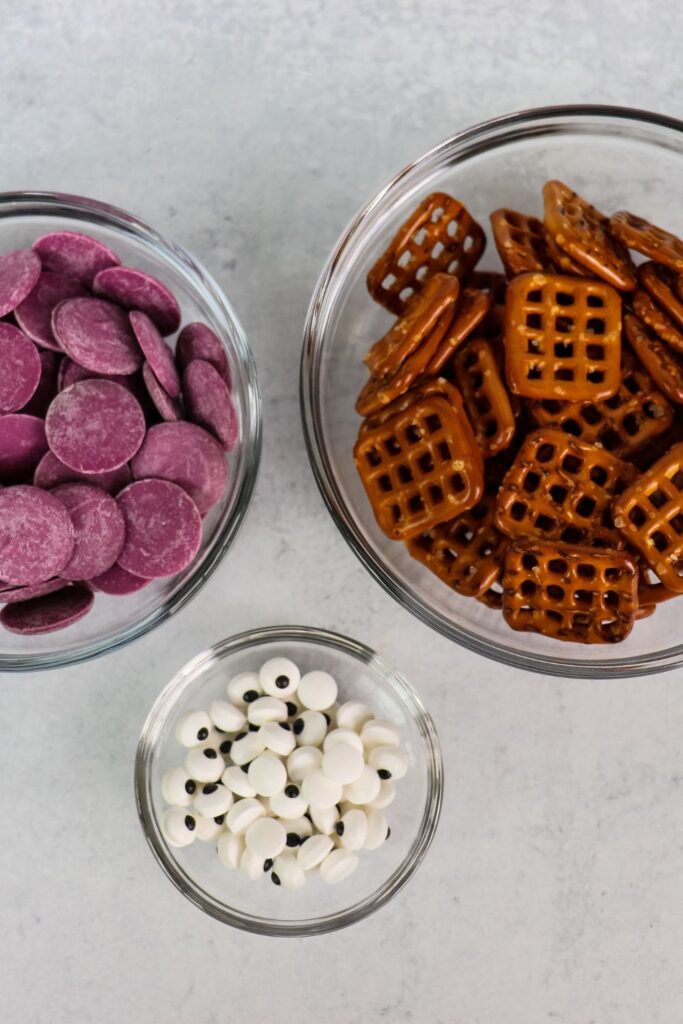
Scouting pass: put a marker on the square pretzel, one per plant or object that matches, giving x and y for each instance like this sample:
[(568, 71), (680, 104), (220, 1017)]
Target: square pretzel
[(561, 489), (562, 337), (440, 235), (420, 466), (568, 593), (649, 514), (521, 242), (467, 552), (475, 369)]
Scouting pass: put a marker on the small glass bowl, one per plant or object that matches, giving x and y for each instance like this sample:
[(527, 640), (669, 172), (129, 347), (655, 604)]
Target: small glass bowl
[(115, 621), (618, 159), (413, 817)]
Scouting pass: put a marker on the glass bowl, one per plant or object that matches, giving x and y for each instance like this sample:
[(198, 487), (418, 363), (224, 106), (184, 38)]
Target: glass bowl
[(617, 158), (258, 906), (115, 621)]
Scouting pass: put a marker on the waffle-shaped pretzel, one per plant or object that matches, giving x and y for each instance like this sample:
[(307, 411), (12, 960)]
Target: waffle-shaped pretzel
[(469, 312), (440, 235), (425, 387), (493, 597), (562, 261), (657, 320), (656, 243), (421, 466), (622, 424), (570, 593), (430, 310), (466, 552), (649, 514), (560, 489), (521, 242), (476, 373), (661, 283), (562, 337), (664, 366), (581, 230)]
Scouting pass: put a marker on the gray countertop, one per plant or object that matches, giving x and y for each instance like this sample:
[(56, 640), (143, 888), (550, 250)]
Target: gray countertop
[(251, 132)]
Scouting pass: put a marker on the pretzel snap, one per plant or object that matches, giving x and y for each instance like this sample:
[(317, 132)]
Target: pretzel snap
[(477, 375), (562, 337), (656, 319), (664, 366), (521, 242), (440, 235), (662, 284), (469, 312), (568, 593), (655, 243)]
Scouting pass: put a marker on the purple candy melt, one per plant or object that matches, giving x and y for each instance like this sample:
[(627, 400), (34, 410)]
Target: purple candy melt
[(163, 529), (22, 446), (99, 529), (74, 254), (156, 352), (197, 341), (186, 455), (50, 472), (19, 368), (117, 582), (50, 612), (95, 426), (34, 314), (97, 335), (134, 289), (209, 403), (36, 535), (47, 385), (167, 407), (14, 594), (19, 272)]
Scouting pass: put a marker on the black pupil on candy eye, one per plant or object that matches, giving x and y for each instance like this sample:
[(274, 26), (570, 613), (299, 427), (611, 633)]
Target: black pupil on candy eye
[(292, 839), (327, 717), (285, 725), (219, 819), (291, 708), (210, 753), (298, 726), (339, 828), (275, 879), (291, 791), (240, 735), (282, 682), (225, 746), (384, 774), (202, 734), (267, 864), (190, 823), (252, 727), (250, 696), (190, 787), (210, 787)]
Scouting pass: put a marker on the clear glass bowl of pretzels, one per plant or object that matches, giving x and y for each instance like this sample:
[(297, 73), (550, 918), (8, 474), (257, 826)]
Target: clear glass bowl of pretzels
[(492, 389)]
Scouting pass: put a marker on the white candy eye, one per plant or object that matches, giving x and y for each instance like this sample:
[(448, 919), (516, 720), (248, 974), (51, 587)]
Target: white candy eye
[(324, 819), (314, 850), (177, 787), (338, 865), (267, 709), (343, 735), (204, 764), (390, 762), (302, 761), (365, 788), (386, 796), (267, 775), (289, 803), (266, 837), (246, 747), (230, 849), (378, 830), (378, 733), (244, 688), (352, 829), (242, 813), (320, 791), (310, 728), (209, 829), (353, 715), (278, 737), (193, 728), (226, 716), (212, 800), (317, 691), (251, 865), (179, 826), (287, 872), (343, 763), (237, 781), (279, 677)]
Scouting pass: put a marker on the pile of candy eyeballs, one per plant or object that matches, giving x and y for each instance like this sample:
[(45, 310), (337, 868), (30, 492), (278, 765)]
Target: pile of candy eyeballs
[(284, 778)]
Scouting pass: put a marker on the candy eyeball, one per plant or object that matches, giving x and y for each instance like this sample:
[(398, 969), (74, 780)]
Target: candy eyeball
[(321, 791), (365, 789), (226, 716), (378, 733), (390, 762), (343, 763), (309, 728), (352, 829), (278, 737), (289, 804), (279, 677), (243, 813), (230, 849), (179, 826), (266, 837), (313, 851), (267, 709), (338, 865), (177, 788), (244, 688), (353, 714), (378, 830), (386, 795), (302, 761), (343, 735), (204, 764), (267, 775), (317, 691), (251, 865), (245, 747), (237, 781), (287, 872), (213, 799), (193, 728), (209, 829)]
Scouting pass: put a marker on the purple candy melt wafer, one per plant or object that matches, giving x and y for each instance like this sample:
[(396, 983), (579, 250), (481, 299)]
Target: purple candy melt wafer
[(134, 289), (19, 368), (34, 314), (50, 472), (156, 352), (50, 612), (97, 335), (99, 529), (197, 341), (118, 583), (19, 272), (14, 594), (209, 403), (47, 385), (186, 455), (163, 528), (95, 426), (22, 446), (74, 254), (36, 535), (167, 407)]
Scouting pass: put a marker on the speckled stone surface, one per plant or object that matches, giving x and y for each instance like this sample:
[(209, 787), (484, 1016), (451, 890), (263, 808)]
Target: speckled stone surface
[(251, 132)]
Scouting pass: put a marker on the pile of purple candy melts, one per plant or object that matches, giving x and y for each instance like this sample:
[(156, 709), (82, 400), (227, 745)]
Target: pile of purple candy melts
[(112, 444)]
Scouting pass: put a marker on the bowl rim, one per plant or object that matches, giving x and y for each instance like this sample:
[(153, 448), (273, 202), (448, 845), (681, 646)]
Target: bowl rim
[(469, 142), (251, 640), (95, 211)]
